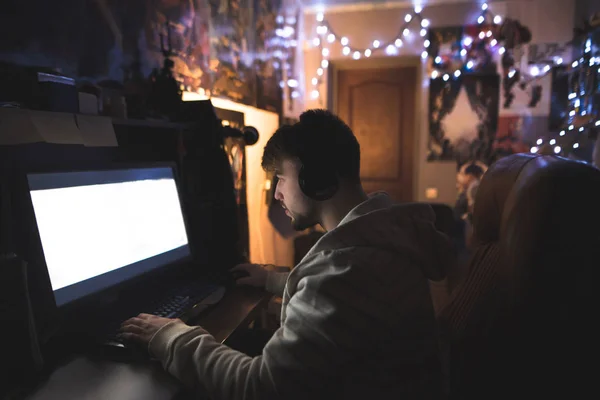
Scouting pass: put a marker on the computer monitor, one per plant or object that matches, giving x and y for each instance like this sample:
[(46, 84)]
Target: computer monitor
[(101, 228)]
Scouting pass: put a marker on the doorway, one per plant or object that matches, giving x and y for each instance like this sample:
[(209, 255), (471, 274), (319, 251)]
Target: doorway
[(378, 103)]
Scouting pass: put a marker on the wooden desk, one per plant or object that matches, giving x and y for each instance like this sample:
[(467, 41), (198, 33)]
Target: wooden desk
[(85, 378)]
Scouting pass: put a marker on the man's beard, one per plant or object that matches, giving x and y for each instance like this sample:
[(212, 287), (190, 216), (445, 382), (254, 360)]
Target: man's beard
[(302, 222)]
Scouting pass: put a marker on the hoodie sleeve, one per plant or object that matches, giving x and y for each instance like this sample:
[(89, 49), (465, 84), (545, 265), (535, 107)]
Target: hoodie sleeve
[(303, 357)]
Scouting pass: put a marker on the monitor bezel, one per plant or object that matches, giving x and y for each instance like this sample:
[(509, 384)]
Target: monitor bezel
[(114, 289)]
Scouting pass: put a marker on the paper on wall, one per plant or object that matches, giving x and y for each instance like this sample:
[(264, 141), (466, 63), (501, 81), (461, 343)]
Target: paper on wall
[(56, 127), (96, 131), (16, 127)]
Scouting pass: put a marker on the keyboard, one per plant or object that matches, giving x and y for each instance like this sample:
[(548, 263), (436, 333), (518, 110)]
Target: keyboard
[(185, 302)]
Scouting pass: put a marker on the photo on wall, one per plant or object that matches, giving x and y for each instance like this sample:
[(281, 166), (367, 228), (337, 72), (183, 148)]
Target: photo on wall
[(463, 117)]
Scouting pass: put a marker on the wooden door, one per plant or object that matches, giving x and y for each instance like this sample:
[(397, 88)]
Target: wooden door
[(378, 104)]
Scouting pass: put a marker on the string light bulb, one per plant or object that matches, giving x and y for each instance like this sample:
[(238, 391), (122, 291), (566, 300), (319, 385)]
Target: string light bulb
[(316, 42), (434, 74), (539, 142), (344, 41), (446, 77), (562, 133), (423, 32), (356, 55), (457, 73), (406, 32), (408, 18), (575, 145), (534, 149), (484, 6), (320, 17), (557, 149), (425, 23), (315, 81), (314, 94), (376, 43), (368, 53), (497, 19), (324, 64), (552, 142), (480, 19), (424, 55), (325, 52), (418, 9), (426, 43), (331, 38), (398, 43), (346, 50)]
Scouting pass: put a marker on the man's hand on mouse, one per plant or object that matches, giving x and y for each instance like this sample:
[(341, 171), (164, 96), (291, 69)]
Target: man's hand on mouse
[(251, 274), (143, 327)]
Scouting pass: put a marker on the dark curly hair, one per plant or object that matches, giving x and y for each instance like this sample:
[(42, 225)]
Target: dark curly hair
[(319, 135)]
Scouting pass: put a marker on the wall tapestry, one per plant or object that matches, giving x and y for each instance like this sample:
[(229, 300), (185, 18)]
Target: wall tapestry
[(463, 117)]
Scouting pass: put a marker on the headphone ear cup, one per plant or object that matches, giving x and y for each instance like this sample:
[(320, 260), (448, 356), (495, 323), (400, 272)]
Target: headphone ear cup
[(319, 184)]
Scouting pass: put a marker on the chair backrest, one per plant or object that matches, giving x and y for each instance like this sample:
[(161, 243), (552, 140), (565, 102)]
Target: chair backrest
[(528, 220), (550, 241)]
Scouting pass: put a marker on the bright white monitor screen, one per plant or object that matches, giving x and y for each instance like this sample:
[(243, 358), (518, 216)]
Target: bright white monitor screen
[(101, 228)]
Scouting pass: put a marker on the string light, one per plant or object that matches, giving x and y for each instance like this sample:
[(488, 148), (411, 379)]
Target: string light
[(534, 149), (325, 34), (539, 142), (552, 142), (575, 145), (557, 149)]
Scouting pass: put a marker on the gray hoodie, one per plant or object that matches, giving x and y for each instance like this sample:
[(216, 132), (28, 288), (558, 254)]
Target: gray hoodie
[(357, 318)]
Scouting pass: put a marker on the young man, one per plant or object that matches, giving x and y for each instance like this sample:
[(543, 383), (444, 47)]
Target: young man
[(357, 317)]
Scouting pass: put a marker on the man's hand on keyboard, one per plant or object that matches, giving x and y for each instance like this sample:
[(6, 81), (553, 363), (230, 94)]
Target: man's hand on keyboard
[(143, 327)]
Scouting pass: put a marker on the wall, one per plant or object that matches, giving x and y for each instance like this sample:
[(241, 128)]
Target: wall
[(266, 244), (224, 47), (549, 20)]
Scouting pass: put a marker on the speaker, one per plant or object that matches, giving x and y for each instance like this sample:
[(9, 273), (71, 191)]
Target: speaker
[(22, 360)]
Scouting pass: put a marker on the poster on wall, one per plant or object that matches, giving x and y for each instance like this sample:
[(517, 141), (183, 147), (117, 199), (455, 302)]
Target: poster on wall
[(518, 133), (463, 117)]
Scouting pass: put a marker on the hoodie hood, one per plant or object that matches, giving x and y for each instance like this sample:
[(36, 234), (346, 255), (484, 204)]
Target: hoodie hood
[(405, 229)]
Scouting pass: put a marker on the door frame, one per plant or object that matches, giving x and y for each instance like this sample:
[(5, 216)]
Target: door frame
[(378, 63)]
